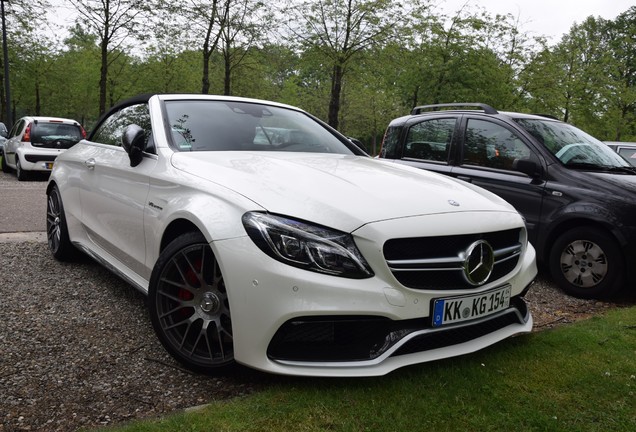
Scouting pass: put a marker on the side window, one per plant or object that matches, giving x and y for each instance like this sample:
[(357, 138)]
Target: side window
[(430, 140), (17, 128), (111, 130), (490, 145), (629, 154), (390, 142)]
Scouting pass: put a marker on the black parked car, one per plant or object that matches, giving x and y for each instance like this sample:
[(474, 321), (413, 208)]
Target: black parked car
[(577, 195)]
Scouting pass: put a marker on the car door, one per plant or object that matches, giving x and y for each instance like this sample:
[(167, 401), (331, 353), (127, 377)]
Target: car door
[(113, 194), (489, 156), (11, 145)]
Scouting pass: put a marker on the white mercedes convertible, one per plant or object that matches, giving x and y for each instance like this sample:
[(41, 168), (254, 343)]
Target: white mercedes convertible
[(264, 237)]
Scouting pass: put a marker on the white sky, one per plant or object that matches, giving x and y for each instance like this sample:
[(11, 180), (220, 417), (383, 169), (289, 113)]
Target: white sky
[(550, 18)]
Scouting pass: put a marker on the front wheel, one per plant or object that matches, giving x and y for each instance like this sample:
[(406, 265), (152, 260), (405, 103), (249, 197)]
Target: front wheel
[(189, 306), (586, 262), (3, 164)]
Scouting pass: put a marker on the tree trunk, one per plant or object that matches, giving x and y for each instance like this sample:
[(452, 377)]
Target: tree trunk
[(205, 78), (38, 104), (227, 79), (334, 101), (103, 74), (103, 77)]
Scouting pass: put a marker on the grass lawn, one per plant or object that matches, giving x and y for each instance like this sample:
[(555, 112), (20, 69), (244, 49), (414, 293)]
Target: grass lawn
[(580, 377)]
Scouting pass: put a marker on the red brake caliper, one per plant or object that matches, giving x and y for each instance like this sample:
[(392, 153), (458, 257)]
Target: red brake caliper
[(193, 280)]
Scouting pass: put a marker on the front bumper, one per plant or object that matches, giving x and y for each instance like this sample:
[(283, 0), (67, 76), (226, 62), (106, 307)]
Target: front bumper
[(291, 321)]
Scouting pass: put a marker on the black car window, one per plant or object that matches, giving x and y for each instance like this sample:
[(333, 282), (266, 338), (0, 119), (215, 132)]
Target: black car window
[(390, 142), (491, 145), (430, 140), (111, 130), (203, 125), (628, 153)]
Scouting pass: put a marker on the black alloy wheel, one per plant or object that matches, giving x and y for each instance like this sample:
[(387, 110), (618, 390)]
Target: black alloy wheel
[(189, 305), (56, 229)]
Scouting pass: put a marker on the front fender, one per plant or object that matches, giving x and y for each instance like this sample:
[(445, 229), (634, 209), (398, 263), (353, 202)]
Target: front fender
[(582, 213), (214, 210)]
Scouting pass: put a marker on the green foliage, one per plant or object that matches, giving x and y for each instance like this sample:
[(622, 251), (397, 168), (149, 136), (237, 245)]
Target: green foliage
[(364, 62)]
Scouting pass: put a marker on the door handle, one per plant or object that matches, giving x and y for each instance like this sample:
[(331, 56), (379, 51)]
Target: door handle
[(90, 163), (465, 178)]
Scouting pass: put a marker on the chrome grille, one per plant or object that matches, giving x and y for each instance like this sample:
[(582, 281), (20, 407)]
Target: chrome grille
[(437, 263)]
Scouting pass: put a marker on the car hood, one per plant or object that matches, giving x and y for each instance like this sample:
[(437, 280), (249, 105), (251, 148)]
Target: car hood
[(616, 183), (340, 191)]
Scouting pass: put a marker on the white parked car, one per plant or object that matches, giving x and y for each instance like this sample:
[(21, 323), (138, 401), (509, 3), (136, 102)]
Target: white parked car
[(299, 255), (35, 142)]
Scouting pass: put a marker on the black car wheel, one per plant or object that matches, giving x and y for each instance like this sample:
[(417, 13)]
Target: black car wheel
[(586, 262), (56, 228), (3, 164), (189, 306), (22, 175)]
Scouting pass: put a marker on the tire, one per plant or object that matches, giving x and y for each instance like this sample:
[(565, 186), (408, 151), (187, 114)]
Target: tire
[(189, 306), (586, 262), (22, 175), (56, 229)]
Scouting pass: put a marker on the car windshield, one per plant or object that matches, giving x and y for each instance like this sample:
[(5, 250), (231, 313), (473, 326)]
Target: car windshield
[(202, 125), (573, 147)]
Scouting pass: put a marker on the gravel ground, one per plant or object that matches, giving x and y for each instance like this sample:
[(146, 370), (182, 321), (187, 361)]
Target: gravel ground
[(77, 349), (22, 204)]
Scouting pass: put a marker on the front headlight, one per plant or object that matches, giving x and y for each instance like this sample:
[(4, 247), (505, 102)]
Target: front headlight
[(307, 246)]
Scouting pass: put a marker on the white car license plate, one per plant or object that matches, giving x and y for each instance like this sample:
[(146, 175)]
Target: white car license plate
[(457, 309)]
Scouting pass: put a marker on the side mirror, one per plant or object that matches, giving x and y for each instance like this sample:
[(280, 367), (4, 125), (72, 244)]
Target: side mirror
[(134, 141), (529, 167)]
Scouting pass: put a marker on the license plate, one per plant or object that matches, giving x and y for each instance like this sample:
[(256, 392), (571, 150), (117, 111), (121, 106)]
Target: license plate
[(49, 165), (457, 309)]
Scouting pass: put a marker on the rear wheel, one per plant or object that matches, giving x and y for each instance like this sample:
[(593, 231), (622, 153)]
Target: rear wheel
[(22, 175), (56, 229), (586, 262), (189, 306)]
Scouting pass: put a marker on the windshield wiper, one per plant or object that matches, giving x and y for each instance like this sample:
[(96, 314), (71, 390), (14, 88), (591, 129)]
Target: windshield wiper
[(623, 169), (605, 168), (587, 165)]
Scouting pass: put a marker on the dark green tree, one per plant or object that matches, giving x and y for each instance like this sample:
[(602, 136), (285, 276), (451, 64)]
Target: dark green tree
[(116, 23), (339, 31)]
